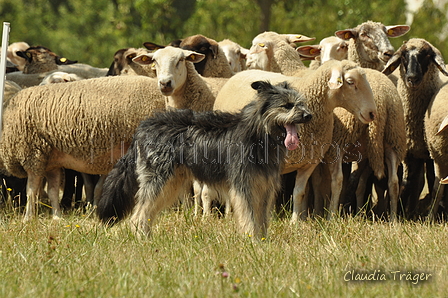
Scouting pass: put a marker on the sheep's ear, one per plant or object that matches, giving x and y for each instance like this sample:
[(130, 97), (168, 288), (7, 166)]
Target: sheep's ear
[(347, 34), (336, 80), (152, 46), (293, 38), (393, 63), (144, 59), (25, 55), (397, 30), (443, 126), (214, 48), (308, 51), (194, 57), (438, 60), (64, 61), (243, 53), (444, 180)]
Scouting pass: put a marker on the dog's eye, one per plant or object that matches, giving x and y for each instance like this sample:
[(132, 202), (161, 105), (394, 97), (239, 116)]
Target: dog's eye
[(288, 106)]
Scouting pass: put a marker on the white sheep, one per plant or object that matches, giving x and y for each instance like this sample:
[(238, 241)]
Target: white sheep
[(87, 125), (335, 83), (12, 53), (419, 63), (369, 44), (271, 51), (123, 64), (235, 54), (329, 48), (60, 77), (215, 63), (436, 136)]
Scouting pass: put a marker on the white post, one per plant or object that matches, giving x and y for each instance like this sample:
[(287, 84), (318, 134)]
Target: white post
[(5, 43)]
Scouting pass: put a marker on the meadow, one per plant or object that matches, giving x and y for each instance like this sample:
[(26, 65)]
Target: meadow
[(188, 256)]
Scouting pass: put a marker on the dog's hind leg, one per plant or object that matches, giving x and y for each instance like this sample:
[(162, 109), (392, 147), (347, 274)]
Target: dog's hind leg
[(155, 195)]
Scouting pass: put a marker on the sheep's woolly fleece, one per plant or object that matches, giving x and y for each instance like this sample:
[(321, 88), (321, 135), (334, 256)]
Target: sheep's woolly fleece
[(87, 124)]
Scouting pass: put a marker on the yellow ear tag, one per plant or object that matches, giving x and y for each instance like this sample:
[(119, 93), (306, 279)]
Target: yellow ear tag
[(261, 44), (144, 58), (340, 80), (390, 32), (153, 65), (193, 57), (63, 59), (28, 55), (347, 35), (312, 51), (299, 36)]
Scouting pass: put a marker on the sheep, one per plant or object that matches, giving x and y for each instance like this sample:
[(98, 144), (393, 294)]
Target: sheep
[(215, 63), (123, 64), (12, 53), (235, 54), (436, 137), (335, 83), (271, 51), (331, 47), (59, 77), (41, 61), (419, 80), (369, 45), (11, 89), (90, 133)]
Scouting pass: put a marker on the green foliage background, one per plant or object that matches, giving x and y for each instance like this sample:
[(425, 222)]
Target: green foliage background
[(90, 31)]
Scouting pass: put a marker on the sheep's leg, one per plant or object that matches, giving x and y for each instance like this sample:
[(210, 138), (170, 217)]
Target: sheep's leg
[(33, 190), (88, 188), (316, 182), (197, 195), (299, 202), (337, 178), (438, 191), (413, 182), (54, 178), (393, 183), (98, 190), (365, 172)]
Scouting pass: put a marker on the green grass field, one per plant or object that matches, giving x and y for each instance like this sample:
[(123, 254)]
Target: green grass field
[(195, 257)]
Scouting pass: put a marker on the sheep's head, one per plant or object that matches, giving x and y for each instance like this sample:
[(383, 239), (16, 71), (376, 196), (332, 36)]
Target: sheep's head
[(329, 48), (41, 59), (261, 53), (372, 40), (349, 89), (234, 53), (170, 66), (415, 57)]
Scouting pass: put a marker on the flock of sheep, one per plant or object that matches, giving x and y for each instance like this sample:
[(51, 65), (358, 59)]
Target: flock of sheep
[(378, 126)]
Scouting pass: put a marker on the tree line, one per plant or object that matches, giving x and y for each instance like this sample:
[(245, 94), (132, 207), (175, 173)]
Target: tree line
[(91, 31)]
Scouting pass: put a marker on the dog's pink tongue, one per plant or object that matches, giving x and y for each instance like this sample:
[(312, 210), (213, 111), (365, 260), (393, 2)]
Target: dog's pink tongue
[(291, 140)]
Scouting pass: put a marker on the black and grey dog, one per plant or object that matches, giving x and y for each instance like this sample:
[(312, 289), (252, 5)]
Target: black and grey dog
[(241, 154)]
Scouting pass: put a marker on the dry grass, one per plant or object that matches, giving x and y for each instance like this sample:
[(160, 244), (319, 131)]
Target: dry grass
[(191, 257)]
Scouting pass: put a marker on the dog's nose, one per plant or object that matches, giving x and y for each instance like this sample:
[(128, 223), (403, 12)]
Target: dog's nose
[(307, 117)]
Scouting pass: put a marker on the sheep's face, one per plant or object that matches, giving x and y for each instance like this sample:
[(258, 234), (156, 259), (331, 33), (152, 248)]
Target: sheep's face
[(416, 57), (372, 40), (170, 66), (234, 53), (333, 48), (259, 56), (350, 90)]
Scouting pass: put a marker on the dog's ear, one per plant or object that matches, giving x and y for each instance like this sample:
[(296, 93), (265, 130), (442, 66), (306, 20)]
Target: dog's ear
[(261, 86)]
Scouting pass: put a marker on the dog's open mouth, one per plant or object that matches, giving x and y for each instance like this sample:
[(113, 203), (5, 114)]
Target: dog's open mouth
[(292, 139)]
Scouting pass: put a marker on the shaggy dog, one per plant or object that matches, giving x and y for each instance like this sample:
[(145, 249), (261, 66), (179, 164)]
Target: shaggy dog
[(241, 154)]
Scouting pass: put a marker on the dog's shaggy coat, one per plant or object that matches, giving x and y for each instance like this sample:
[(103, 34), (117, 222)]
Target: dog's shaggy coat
[(239, 153)]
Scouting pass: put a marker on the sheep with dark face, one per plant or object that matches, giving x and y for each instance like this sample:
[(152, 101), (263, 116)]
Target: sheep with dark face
[(420, 63)]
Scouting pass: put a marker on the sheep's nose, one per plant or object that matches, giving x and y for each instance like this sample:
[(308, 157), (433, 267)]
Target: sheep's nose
[(372, 116), (166, 84), (387, 55)]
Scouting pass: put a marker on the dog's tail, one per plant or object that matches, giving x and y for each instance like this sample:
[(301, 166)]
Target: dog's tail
[(119, 189)]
